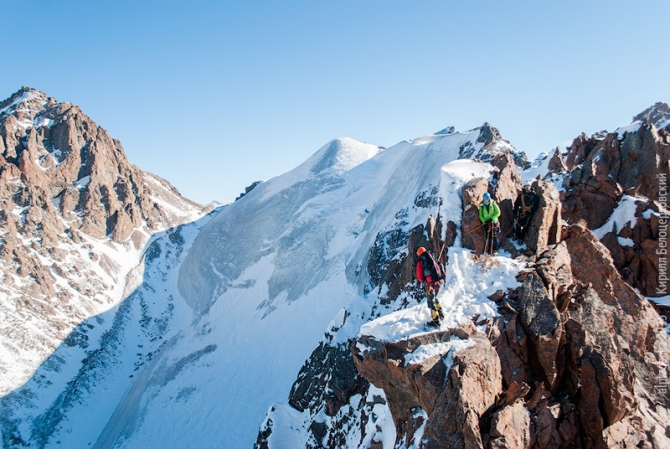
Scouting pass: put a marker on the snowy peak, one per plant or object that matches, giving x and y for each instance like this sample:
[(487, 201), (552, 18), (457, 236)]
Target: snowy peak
[(341, 155), (658, 114), (25, 106)]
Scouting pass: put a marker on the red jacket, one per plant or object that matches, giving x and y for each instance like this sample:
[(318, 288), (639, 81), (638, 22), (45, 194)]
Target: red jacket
[(424, 276)]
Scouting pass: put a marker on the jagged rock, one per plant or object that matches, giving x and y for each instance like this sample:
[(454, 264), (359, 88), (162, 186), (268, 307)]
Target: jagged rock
[(614, 340), (545, 227), (473, 235), (509, 340), (454, 400), (556, 163), (507, 183), (504, 185), (541, 321), (658, 114), (510, 428), (604, 168), (327, 380), (554, 267)]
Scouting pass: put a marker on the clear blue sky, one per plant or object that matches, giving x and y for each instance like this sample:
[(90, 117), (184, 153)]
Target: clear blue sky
[(213, 95)]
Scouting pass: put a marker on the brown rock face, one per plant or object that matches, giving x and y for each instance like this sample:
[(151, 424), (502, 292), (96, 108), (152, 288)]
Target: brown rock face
[(63, 181), (510, 428), (545, 228), (473, 235), (507, 186), (454, 400), (504, 185), (604, 169)]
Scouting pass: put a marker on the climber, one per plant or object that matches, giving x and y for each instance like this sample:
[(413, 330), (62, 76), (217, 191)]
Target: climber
[(525, 206), (429, 271), (489, 212)]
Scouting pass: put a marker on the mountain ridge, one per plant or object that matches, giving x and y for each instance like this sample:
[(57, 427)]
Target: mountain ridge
[(250, 311)]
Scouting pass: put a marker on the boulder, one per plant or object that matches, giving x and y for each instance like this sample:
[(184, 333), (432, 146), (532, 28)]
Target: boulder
[(542, 323), (507, 182), (545, 227), (510, 427)]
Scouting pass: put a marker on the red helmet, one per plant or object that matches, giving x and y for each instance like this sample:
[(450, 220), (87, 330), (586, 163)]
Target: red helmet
[(420, 251)]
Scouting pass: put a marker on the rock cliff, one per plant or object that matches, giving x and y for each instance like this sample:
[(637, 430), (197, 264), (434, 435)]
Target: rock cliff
[(624, 171)]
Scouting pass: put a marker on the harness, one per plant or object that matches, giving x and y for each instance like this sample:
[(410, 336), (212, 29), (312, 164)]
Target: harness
[(524, 208)]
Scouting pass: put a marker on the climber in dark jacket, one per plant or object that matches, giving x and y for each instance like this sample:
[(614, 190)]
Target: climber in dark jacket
[(525, 206), (425, 272), (489, 212)]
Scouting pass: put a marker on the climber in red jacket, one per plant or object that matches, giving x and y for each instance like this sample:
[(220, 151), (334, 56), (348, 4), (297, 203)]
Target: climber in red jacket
[(431, 274)]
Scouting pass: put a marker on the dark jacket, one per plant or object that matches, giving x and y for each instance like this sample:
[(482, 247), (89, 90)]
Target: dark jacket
[(525, 206)]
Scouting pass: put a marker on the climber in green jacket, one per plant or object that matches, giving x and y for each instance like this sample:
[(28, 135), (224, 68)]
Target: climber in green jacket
[(489, 212)]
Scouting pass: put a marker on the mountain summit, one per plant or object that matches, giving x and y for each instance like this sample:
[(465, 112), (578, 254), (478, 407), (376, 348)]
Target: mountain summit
[(658, 114)]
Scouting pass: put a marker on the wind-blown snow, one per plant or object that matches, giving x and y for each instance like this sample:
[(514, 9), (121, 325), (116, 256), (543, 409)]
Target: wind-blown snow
[(632, 128), (464, 294), (623, 215), (424, 352)]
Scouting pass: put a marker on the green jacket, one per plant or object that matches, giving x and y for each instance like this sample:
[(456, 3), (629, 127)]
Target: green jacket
[(490, 213)]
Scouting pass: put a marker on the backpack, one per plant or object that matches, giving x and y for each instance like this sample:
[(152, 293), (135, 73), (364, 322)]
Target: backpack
[(429, 262)]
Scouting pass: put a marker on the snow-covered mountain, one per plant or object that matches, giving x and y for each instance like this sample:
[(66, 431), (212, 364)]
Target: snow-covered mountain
[(74, 221), (237, 328)]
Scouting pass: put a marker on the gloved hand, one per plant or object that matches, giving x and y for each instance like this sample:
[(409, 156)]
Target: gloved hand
[(429, 279)]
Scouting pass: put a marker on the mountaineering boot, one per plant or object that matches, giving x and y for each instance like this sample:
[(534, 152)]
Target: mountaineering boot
[(438, 306), (433, 323)]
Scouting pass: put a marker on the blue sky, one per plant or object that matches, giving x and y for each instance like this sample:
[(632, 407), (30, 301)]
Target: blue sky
[(213, 95)]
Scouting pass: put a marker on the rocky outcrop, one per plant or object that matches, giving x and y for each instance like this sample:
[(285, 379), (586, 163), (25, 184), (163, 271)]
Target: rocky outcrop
[(574, 361), (608, 170), (328, 379), (64, 159), (545, 227), (658, 114), (507, 185), (504, 186), (454, 397), (473, 235)]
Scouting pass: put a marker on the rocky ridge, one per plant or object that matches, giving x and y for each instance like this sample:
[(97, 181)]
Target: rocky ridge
[(73, 209), (623, 171), (578, 358)]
